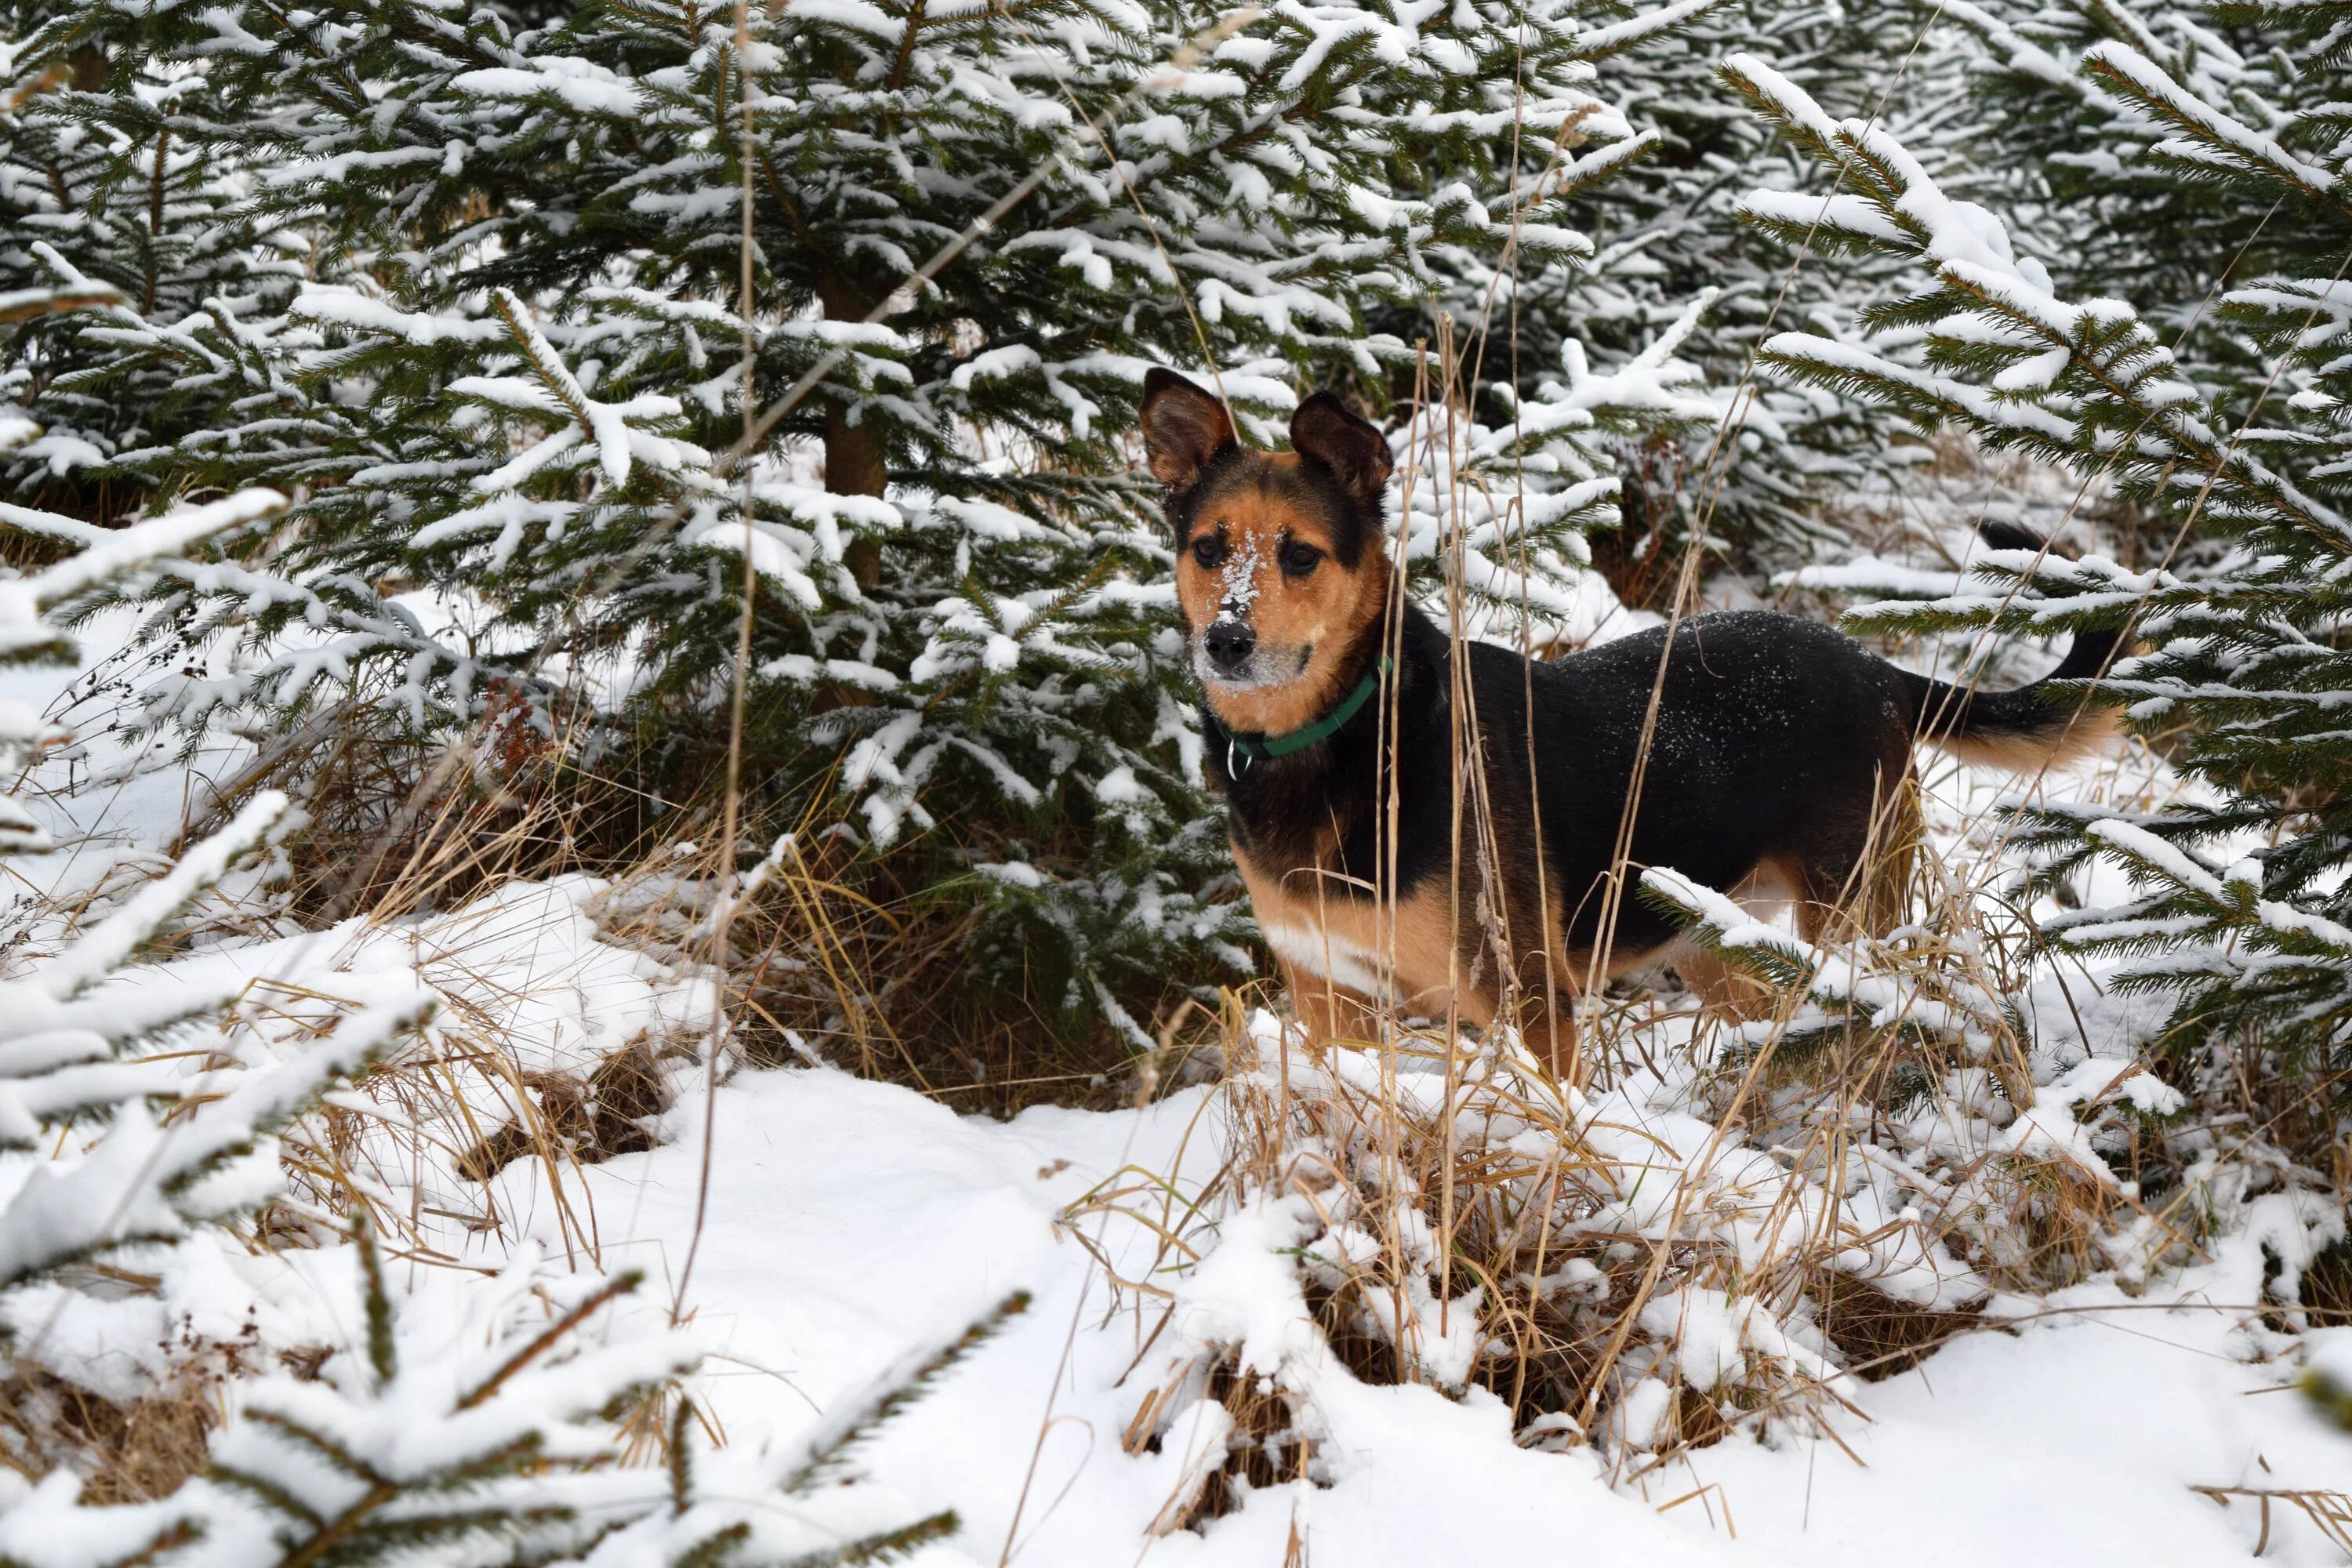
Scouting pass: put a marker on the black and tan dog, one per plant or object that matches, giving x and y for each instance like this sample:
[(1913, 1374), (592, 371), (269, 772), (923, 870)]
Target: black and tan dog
[(1780, 766)]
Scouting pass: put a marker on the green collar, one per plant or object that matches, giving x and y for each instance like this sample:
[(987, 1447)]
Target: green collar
[(1252, 748)]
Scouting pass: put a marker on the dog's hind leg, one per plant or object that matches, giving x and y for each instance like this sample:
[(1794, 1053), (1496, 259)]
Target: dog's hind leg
[(1864, 890)]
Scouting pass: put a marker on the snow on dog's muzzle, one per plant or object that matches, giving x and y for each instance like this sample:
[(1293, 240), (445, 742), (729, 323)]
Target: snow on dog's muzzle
[(1227, 654), (1227, 646)]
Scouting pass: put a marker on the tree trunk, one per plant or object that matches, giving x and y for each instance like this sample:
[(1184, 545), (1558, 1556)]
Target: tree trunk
[(853, 454)]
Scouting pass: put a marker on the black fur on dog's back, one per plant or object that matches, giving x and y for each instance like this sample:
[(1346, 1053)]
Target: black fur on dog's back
[(1774, 736), (1777, 740)]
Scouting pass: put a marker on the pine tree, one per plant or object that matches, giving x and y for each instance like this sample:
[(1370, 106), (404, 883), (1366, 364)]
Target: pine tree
[(1666, 230), (497, 1446), (67, 1020), (34, 608), (2057, 134), (492, 1446), (102, 198), (2241, 909), (516, 373)]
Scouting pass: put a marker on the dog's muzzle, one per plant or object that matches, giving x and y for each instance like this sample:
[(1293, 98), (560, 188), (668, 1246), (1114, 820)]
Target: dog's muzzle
[(1228, 655)]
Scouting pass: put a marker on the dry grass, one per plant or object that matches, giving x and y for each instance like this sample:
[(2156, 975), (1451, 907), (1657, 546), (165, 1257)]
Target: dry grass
[(1718, 1235), (875, 964), (590, 1120), (2329, 1512), (129, 1451)]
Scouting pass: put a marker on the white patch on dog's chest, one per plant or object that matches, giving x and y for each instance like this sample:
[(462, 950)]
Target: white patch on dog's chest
[(1330, 956)]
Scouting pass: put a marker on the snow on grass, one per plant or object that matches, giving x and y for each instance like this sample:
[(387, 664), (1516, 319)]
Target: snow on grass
[(854, 1221), (858, 1220)]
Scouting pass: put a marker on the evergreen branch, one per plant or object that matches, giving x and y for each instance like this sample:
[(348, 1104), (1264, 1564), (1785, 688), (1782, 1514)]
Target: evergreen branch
[(825, 1448), (277, 1496), (382, 1359), (883, 1546), (680, 1461), (2226, 141), (717, 1549), (553, 1334), (320, 1445), (316, 1548)]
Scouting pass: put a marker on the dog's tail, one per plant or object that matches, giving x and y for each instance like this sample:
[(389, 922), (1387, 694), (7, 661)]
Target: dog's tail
[(2021, 730)]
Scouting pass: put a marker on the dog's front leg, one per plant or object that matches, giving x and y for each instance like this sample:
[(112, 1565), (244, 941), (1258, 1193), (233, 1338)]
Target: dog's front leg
[(1328, 1011), (1546, 1017)]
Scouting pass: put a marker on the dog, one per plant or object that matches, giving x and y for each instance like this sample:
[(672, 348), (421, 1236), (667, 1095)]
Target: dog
[(1432, 827)]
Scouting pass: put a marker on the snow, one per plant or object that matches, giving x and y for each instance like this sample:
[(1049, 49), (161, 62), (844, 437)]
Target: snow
[(1595, 42), (863, 1220), (2073, 1441), (1240, 577), (579, 84), (854, 1222)]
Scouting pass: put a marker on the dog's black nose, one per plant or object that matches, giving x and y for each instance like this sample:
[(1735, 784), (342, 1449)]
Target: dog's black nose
[(1229, 644)]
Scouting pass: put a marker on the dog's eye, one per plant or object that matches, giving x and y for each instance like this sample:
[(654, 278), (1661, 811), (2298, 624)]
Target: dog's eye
[(1298, 560), (1208, 550)]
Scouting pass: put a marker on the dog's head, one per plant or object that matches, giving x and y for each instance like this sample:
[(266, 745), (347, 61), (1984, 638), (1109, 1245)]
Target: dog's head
[(1280, 572)]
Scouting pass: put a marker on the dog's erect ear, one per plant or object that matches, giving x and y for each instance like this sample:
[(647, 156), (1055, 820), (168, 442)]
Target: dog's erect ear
[(1324, 431), (1183, 427)]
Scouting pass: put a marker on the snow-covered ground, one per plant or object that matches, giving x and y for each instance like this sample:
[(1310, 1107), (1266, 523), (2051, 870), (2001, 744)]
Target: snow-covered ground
[(853, 1222), (851, 1225)]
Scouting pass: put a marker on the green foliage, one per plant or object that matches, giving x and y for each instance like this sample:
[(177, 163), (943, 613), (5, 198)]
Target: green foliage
[(2242, 458), (2119, 194), (567, 327), (105, 199), (1667, 229)]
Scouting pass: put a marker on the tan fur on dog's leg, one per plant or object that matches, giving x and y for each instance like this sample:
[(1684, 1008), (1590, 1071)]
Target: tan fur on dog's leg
[(1329, 1012), (1725, 990), (1547, 1024)]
